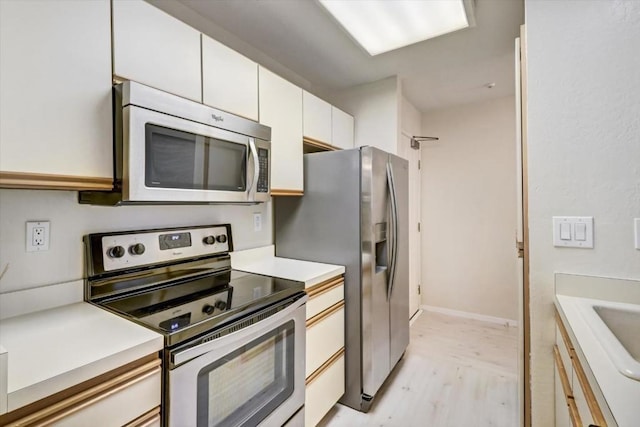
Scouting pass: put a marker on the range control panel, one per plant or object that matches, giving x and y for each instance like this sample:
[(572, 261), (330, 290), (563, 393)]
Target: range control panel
[(137, 249)]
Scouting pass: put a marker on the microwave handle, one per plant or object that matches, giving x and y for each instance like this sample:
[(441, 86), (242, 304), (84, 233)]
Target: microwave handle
[(253, 152)]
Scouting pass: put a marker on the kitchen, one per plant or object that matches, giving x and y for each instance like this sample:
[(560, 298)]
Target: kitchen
[(606, 107)]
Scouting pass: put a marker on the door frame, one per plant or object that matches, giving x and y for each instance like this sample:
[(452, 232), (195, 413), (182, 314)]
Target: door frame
[(524, 346), (415, 253)]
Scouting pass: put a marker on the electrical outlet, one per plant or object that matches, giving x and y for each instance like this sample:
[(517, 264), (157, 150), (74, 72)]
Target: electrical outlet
[(37, 236), (257, 221)]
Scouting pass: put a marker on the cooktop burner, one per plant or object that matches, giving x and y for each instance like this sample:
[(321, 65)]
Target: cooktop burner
[(215, 299)]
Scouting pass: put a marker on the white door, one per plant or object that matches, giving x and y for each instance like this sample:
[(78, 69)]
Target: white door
[(413, 156)]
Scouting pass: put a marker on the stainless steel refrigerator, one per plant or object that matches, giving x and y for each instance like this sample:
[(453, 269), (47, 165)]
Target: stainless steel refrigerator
[(354, 212)]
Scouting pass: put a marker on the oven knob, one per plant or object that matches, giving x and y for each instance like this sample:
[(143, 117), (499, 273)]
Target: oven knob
[(116, 252), (137, 249), (221, 305), (209, 240), (208, 309), (221, 238)]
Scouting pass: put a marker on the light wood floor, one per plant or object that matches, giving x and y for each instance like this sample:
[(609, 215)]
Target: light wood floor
[(456, 372)]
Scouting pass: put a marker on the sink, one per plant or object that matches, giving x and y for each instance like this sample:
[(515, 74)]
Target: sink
[(625, 325), (617, 327)]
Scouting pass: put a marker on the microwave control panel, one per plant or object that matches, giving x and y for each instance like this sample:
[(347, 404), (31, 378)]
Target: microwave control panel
[(263, 176)]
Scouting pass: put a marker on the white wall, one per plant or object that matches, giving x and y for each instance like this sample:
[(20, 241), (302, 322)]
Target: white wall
[(70, 221), (469, 209), (584, 153), (376, 108)]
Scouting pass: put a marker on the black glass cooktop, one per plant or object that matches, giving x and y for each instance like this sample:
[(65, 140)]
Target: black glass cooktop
[(186, 308)]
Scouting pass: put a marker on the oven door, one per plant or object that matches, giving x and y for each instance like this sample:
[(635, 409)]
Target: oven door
[(253, 376), (170, 159)]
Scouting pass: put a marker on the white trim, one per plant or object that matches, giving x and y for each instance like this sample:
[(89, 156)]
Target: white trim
[(468, 315)]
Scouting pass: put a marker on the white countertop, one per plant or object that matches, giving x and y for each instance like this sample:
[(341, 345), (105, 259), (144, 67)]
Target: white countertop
[(263, 261), (51, 350), (622, 394)]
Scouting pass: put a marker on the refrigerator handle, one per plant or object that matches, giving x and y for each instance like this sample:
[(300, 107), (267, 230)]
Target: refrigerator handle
[(394, 230)]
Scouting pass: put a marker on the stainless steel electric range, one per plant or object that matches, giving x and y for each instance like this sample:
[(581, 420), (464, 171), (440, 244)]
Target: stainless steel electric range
[(234, 341)]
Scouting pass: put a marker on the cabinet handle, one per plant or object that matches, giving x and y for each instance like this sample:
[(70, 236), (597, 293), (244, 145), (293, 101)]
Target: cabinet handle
[(563, 332), (594, 408), (564, 379), (325, 286), (324, 367), (323, 315), (69, 406)]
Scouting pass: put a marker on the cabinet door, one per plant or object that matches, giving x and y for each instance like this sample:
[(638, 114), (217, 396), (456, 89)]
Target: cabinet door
[(324, 390), (229, 80), (341, 129), (55, 81), (561, 407), (153, 48), (281, 109), (317, 118)]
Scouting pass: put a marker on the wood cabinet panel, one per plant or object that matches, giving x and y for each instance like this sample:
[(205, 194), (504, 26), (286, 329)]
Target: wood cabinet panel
[(229, 79)]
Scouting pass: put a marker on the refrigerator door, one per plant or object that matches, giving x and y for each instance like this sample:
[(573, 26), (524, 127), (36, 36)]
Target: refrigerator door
[(399, 295), (376, 254)]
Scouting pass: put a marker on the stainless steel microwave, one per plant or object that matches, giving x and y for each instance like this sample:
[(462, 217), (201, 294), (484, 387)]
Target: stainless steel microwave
[(170, 150)]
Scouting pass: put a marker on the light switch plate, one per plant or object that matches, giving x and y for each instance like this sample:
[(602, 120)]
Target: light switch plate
[(636, 222), (585, 234)]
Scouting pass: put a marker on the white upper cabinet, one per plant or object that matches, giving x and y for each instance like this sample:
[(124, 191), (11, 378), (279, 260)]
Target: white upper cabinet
[(281, 109), (153, 48), (317, 118), (341, 129), (229, 80), (55, 103)]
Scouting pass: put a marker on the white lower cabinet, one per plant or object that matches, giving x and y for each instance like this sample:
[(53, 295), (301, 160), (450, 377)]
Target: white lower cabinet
[(575, 402), (323, 391), (129, 397), (562, 407), (325, 349)]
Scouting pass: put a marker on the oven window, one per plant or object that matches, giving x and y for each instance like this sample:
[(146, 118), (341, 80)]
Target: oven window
[(177, 159), (245, 386)]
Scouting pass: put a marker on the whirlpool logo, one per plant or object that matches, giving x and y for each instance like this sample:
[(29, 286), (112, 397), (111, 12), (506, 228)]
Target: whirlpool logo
[(217, 118)]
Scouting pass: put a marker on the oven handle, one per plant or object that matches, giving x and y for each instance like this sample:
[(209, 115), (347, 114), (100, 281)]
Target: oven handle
[(243, 334)]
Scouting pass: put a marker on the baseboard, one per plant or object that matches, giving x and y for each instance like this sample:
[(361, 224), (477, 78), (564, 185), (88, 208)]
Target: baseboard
[(468, 315), (415, 316)]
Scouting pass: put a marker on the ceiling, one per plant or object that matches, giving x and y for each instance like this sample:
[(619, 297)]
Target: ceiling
[(449, 70)]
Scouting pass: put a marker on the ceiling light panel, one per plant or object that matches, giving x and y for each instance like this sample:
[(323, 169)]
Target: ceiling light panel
[(383, 25)]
